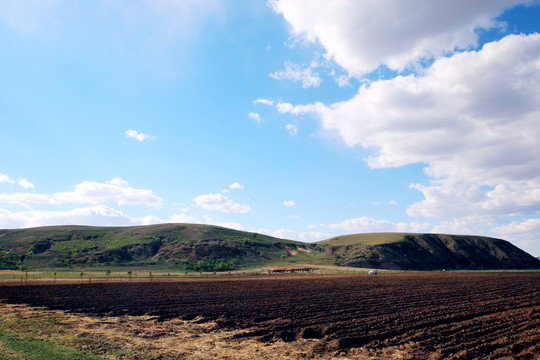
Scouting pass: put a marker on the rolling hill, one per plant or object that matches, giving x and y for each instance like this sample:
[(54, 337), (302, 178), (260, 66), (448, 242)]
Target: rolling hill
[(165, 246), (402, 251), (194, 247)]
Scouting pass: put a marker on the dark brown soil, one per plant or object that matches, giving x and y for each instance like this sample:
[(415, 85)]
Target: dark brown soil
[(432, 315)]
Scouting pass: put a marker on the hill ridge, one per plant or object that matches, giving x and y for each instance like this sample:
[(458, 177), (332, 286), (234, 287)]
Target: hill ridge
[(199, 247)]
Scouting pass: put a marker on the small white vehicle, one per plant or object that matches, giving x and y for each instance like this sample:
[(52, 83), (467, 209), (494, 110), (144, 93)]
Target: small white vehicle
[(373, 272)]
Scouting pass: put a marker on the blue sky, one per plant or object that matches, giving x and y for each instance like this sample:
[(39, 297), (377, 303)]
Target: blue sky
[(299, 119)]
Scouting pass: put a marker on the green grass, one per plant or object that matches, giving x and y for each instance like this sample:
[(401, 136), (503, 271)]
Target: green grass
[(365, 239), (15, 346)]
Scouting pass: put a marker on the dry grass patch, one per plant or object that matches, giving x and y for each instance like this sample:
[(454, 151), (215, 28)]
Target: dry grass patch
[(145, 337)]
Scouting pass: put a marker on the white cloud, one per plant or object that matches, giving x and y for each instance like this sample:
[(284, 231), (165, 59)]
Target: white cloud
[(91, 192), (393, 202), (343, 80), (360, 36), (525, 234), (519, 229), (289, 203), (296, 73), (21, 182), (220, 202), (255, 116), (313, 236), (118, 182), (6, 179), (236, 186), (183, 218), (287, 108), (25, 199), (291, 129), (226, 224), (268, 102), (88, 192), (472, 118), (294, 235), (132, 134), (99, 215), (367, 224), (25, 184)]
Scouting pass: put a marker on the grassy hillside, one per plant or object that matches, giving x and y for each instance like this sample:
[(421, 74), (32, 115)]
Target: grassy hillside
[(194, 247), (369, 239), (165, 246), (402, 251)]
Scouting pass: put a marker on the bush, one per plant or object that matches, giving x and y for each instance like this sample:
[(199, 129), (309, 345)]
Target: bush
[(209, 265), (9, 260)]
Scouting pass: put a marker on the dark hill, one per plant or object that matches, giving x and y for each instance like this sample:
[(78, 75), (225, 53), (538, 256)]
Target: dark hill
[(213, 248), (402, 251), (175, 246)]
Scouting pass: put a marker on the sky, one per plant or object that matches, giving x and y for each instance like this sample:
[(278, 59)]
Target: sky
[(298, 119)]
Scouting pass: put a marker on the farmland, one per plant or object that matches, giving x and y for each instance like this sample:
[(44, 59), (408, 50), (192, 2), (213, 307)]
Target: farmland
[(404, 315)]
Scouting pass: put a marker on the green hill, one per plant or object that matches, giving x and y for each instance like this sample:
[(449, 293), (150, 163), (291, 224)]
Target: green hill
[(212, 248), (165, 246), (402, 251)]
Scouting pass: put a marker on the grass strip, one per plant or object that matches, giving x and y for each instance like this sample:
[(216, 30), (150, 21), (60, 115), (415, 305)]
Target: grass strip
[(14, 346)]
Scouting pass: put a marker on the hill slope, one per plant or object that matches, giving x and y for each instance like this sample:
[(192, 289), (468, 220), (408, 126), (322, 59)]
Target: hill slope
[(179, 246), (212, 248), (401, 251)]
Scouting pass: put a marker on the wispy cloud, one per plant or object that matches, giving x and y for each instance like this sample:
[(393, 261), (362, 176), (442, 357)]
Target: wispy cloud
[(132, 134), (268, 102), (255, 116), (291, 129), (296, 73)]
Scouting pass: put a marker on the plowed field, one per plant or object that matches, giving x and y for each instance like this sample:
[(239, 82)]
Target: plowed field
[(432, 315)]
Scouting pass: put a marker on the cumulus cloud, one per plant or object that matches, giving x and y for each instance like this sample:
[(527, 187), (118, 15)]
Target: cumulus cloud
[(519, 229), (227, 224), (21, 182), (255, 116), (220, 202), (6, 179), (360, 36), (467, 117), (132, 134), (309, 236), (26, 199), (291, 129), (367, 224), (526, 233), (99, 215), (289, 203), (296, 73), (88, 192), (236, 186), (25, 184), (183, 218), (117, 190)]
